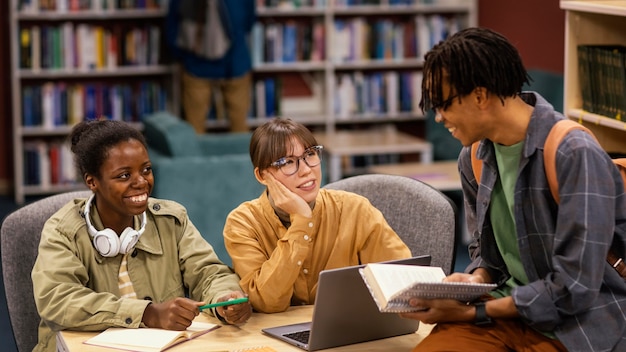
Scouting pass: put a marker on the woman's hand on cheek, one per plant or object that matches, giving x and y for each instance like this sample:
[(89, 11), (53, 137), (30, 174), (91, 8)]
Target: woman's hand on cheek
[(284, 198)]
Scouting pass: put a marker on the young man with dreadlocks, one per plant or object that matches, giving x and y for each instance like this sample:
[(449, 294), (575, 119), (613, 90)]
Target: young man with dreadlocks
[(556, 291)]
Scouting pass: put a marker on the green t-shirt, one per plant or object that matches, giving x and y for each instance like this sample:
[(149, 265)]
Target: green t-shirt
[(502, 215)]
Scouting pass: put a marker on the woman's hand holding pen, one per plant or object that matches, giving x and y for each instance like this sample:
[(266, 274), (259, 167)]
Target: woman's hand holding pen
[(176, 314), (284, 198), (234, 313)]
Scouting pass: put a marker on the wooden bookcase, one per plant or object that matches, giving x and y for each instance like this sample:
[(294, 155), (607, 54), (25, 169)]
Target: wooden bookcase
[(339, 70), (66, 68), (592, 22)]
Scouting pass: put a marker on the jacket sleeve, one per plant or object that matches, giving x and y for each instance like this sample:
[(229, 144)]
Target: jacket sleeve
[(61, 294), (583, 232), (268, 278), (374, 233), (206, 276)]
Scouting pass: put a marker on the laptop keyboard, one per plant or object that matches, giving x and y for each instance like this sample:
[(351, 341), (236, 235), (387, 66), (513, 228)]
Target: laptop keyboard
[(300, 336)]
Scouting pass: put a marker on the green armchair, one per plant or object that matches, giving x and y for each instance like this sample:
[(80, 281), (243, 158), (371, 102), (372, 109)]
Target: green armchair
[(209, 174)]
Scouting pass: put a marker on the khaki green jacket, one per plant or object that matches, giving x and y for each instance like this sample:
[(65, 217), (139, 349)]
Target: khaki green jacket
[(76, 288)]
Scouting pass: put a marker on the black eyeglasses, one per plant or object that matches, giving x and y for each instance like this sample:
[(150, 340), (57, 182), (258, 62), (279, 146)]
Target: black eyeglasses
[(289, 165), (445, 104)]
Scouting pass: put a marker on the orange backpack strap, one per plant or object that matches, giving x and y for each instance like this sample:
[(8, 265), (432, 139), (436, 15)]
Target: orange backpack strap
[(621, 165), (477, 164), (555, 137)]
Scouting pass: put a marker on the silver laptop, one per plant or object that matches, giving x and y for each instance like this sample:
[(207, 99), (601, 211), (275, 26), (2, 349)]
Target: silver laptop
[(345, 313)]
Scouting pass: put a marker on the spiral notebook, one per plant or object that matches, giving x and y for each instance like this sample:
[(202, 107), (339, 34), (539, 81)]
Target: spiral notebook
[(345, 313), (392, 286)]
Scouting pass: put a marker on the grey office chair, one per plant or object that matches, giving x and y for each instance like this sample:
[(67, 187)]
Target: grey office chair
[(19, 240), (422, 216)]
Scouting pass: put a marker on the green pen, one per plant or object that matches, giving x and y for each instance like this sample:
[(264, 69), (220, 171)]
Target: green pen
[(224, 303)]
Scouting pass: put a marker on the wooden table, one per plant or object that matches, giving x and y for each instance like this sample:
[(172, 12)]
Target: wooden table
[(442, 175), (369, 142), (232, 338)]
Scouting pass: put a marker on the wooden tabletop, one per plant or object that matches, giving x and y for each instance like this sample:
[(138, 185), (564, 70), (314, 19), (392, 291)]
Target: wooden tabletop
[(443, 175), (372, 142), (233, 338), (340, 144)]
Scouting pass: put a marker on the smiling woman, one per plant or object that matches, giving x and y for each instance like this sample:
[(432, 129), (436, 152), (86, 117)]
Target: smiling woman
[(121, 258), (281, 241)]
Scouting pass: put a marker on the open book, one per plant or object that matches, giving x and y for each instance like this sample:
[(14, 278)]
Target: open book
[(148, 339), (393, 285)]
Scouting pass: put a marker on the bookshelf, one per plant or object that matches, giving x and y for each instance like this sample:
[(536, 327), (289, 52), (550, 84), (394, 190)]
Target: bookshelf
[(75, 60), (360, 66), (592, 22)]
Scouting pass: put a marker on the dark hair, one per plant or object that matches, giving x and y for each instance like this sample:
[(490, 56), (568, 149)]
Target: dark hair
[(473, 57), (91, 141), (275, 139)]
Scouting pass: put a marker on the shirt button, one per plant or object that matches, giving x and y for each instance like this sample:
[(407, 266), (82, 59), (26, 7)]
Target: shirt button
[(310, 224), (299, 262), (129, 321), (306, 271), (306, 237), (156, 207)]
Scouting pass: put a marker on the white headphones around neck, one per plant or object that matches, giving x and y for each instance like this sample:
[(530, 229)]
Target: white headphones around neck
[(107, 242)]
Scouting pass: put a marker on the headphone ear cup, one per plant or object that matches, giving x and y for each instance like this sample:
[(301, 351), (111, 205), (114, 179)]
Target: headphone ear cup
[(107, 243), (128, 239)]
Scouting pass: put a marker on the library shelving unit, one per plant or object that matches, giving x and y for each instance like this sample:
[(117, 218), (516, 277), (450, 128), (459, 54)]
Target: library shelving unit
[(75, 60), (592, 22), (360, 66)]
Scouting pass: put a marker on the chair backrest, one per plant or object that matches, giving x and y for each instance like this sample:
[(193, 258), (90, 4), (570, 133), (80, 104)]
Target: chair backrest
[(19, 242), (422, 216)]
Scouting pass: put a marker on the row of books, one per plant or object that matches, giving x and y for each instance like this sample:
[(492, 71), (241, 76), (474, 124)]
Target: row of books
[(602, 75), (290, 4), (381, 2), (56, 104), (359, 38), (353, 39), (377, 93), (87, 47), (48, 163), (267, 97), (60, 6), (287, 42)]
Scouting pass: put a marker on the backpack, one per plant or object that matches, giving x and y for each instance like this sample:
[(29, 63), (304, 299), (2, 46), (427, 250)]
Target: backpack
[(556, 135)]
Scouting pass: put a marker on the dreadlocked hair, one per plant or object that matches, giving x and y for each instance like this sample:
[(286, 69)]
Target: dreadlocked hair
[(473, 57)]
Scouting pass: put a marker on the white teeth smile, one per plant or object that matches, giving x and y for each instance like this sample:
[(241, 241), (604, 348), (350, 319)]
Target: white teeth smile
[(138, 199), (308, 184), (451, 129)]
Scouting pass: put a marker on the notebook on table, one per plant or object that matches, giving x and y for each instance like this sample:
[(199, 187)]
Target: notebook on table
[(345, 313)]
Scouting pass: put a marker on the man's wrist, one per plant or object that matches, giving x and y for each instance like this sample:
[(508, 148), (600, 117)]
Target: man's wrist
[(481, 318)]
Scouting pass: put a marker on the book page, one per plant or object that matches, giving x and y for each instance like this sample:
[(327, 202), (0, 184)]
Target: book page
[(392, 278), (147, 339), (392, 286)]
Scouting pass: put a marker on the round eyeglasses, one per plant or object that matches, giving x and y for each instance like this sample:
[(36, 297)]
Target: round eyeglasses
[(289, 165), (445, 104)]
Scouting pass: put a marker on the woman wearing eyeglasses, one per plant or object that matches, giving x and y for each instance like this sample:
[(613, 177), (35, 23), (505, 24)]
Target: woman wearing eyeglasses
[(281, 241)]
